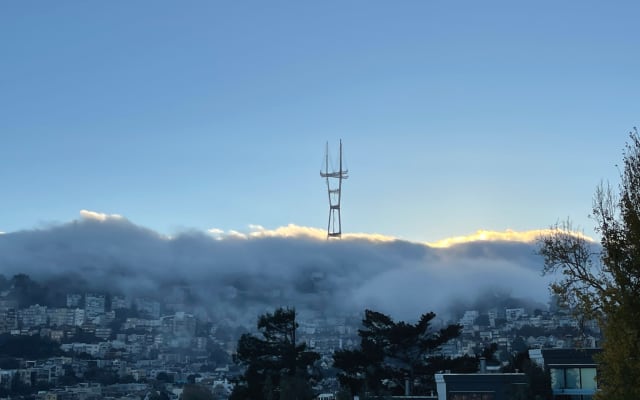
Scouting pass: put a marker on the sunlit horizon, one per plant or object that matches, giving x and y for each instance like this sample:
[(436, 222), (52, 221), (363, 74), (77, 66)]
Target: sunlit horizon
[(255, 231)]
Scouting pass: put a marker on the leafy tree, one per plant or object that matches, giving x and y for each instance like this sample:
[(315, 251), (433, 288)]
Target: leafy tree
[(294, 387), (100, 375), (217, 355), (391, 352), (539, 380), (26, 291), (159, 395), (35, 347), (19, 387), (276, 366), (128, 378), (164, 377), (604, 283), (69, 378), (196, 392), (519, 345)]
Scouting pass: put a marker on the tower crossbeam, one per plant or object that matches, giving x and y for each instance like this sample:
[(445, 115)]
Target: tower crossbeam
[(334, 190)]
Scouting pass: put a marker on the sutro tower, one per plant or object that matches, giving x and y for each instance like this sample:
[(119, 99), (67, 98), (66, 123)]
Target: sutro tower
[(334, 192)]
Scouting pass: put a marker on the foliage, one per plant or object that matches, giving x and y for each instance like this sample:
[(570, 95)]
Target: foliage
[(158, 395), (539, 380), (276, 367), (162, 376), (391, 352), (604, 284), (196, 392), (217, 355), (9, 363), (69, 377), (294, 387), (26, 291), (102, 376), (32, 347)]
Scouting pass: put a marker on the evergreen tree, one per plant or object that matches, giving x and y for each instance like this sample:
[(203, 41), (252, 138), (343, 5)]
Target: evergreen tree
[(539, 380), (276, 366), (604, 283), (390, 353), (196, 392)]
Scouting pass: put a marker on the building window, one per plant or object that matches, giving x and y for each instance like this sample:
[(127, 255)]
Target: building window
[(588, 378), (573, 378), (557, 378)]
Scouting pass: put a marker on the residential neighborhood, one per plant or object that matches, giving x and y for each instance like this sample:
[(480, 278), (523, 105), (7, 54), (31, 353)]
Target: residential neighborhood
[(109, 346)]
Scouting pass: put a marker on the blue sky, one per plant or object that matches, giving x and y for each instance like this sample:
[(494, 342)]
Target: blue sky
[(455, 116)]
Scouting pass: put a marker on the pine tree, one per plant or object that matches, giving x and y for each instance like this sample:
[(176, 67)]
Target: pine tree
[(276, 366), (390, 353)]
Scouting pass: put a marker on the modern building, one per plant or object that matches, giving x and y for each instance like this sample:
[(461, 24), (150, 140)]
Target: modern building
[(481, 386), (573, 371)]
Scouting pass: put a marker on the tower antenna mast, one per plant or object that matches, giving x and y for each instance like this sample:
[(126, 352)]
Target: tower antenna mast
[(334, 226)]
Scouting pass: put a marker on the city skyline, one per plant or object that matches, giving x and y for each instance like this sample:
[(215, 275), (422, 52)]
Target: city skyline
[(213, 117)]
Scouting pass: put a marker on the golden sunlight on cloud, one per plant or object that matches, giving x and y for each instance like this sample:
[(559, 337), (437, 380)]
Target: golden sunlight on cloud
[(290, 230), (506, 236), (96, 216), (297, 231), (294, 231)]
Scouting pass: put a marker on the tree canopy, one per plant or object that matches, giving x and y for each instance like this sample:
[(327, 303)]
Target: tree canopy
[(603, 282), (34, 347), (196, 392), (391, 352), (276, 366)]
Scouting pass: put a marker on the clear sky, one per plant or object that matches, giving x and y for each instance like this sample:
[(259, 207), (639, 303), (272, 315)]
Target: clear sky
[(455, 116)]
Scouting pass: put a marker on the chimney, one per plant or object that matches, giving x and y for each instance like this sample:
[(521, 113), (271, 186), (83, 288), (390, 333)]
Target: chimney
[(483, 365)]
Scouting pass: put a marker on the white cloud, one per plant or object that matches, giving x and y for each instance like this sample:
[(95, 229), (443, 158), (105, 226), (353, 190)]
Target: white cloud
[(216, 233), (288, 231), (294, 231), (504, 236), (98, 216), (235, 235), (297, 231), (241, 273)]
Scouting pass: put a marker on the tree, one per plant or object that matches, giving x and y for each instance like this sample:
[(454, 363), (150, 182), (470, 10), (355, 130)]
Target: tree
[(159, 395), (27, 292), (34, 347), (539, 380), (103, 376), (69, 377), (276, 366), (162, 376), (603, 283), (390, 353), (196, 392)]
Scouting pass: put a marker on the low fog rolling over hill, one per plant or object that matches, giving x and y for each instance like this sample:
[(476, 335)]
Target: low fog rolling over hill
[(239, 275)]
